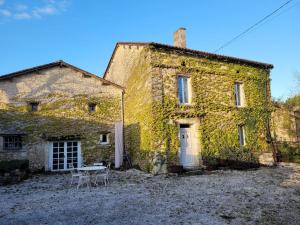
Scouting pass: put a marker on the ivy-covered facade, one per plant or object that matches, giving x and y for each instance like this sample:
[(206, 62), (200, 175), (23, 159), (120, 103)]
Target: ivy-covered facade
[(56, 115), (156, 122), (179, 107)]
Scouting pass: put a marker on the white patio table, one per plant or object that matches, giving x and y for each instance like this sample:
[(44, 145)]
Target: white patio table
[(89, 171), (91, 168)]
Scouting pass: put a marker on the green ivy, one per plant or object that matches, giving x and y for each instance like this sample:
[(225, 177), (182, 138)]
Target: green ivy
[(152, 104)]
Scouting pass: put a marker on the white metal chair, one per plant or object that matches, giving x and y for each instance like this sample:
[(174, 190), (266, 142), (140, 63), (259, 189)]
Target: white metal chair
[(103, 175), (85, 178), (74, 173)]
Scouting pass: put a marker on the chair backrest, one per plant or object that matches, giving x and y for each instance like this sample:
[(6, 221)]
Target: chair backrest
[(72, 169), (71, 166)]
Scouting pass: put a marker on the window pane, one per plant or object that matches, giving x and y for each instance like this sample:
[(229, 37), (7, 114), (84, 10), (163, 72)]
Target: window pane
[(185, 90), (104, 138), (241, 135), (237, 89), (180, 96), (12, 142)]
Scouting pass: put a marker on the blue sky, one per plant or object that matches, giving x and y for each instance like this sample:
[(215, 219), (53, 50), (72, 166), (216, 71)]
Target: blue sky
[(84, 32)]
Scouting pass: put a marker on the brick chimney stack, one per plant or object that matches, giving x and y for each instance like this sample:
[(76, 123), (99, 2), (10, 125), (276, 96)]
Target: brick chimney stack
[(179, 38)]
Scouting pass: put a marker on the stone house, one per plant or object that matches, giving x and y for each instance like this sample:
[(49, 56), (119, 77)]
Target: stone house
[(286, 123), (180, 107), (57, 114), (184, 106)]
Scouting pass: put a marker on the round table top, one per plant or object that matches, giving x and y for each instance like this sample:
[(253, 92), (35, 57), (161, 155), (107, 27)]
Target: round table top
[(91, 168)]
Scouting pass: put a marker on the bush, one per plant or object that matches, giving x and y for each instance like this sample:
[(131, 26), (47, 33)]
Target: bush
[(288, 151), (234, 158), (241, 154), (7, 166)]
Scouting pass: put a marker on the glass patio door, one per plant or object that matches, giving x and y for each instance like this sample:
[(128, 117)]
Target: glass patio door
[(63, 154)]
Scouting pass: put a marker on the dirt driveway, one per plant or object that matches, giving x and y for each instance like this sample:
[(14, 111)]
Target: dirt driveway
[(263, 196)]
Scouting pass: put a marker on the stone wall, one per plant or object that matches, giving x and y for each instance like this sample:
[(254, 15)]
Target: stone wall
[(125, 58), (284, 123), (63, 95)]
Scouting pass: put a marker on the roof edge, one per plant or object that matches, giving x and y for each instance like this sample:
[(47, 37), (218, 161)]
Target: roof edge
[(53, 64), (190, 51)]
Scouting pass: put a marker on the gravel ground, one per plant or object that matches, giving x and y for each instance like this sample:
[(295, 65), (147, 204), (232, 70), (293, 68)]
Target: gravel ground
[(263, 196)]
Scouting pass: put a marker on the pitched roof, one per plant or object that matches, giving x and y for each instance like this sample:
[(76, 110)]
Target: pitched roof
[(191, 52), (60, 63)]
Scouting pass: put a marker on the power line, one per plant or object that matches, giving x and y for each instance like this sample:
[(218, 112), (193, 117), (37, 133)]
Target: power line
[(251, 27)]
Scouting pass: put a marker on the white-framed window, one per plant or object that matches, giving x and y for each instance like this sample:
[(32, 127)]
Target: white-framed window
[(241, 133), (104, 139), (184, 93), (239, 94)]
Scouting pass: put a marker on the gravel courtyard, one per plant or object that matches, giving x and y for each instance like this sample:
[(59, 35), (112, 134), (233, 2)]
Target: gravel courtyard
[(263, 196)]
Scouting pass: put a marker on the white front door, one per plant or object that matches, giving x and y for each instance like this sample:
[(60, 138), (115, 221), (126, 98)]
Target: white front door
[(63, 154), (188, 153)]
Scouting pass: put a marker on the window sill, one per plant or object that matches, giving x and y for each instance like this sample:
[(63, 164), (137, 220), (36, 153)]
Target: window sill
[(105, 144), (186, 104)]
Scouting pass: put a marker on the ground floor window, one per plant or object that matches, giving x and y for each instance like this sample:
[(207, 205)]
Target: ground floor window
[(12, 142)]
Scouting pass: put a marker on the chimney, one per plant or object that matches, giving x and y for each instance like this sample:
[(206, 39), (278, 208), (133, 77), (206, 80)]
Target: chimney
[(179, 38)]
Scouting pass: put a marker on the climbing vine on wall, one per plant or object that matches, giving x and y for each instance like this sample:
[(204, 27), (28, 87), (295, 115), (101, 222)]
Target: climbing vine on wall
[(60, 115), (212, 101)]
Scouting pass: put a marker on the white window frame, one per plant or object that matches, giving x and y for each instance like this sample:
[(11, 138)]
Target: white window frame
[(107, 139), (239, 94), (242, 135), (185, 90), (50, 154)]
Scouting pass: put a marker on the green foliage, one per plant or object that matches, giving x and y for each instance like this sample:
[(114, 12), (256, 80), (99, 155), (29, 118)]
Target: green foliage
[(239, 154), (293, 101), (61, 115), (288, 151), (153, 105)]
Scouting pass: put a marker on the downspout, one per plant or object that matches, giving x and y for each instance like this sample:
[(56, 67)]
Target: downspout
[(123, 127)]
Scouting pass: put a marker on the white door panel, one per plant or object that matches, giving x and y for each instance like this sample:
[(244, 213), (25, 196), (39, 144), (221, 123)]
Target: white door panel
[(188, 152)]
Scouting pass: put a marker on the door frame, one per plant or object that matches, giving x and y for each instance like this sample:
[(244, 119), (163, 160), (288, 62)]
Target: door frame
[(194, 124), (50, 150)]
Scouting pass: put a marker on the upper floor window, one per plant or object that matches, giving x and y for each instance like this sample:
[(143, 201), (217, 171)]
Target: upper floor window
[(183, 90), (33, 106), (12, 142), (239, 94), (241, 132), (92, 107)]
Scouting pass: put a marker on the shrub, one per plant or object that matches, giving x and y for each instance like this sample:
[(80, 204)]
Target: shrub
[(288, 151), (7, 166), (234, 158)]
